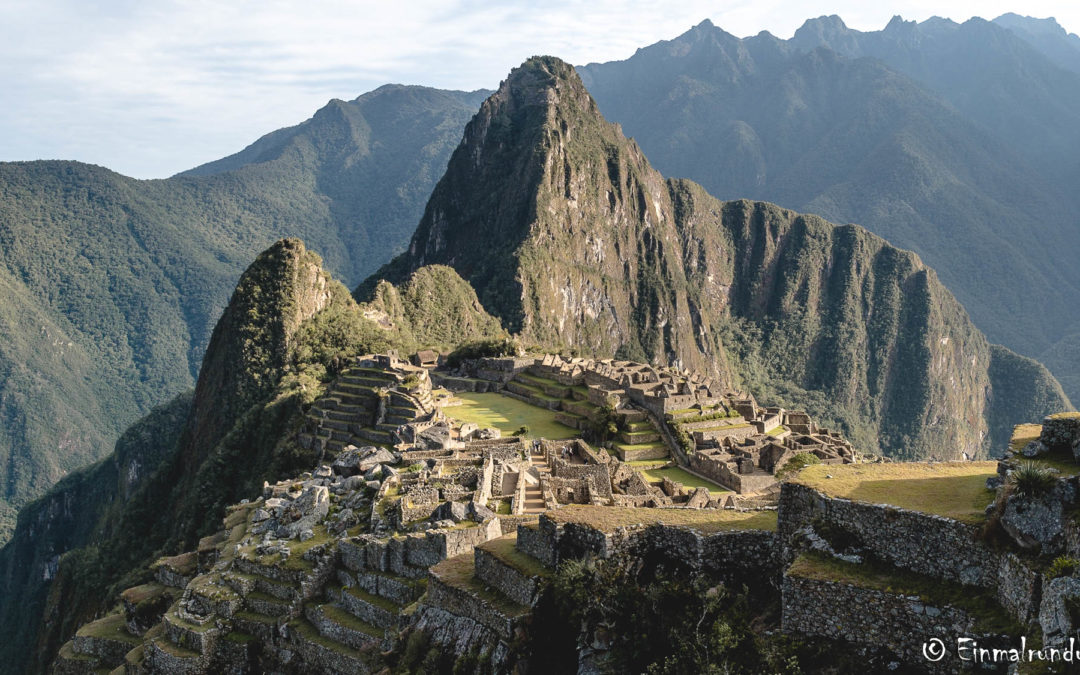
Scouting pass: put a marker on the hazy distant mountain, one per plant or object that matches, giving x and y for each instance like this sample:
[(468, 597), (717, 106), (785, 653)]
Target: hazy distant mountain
[(112, 285), (1046, 35), (956, 141)]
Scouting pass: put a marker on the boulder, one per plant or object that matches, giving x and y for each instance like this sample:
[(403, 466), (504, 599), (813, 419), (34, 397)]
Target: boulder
[(479, 512), (1054, 615), (324, 471), (348, 461), (487, 434), (1038, 523), (435, 437), (1034, 449), (375, 457), (452, 511), (353, 483)]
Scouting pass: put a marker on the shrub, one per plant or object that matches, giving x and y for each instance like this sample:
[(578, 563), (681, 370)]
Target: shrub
[(483, 349), (1063, 566), (522, 431), (797, 464), (1032, 479)]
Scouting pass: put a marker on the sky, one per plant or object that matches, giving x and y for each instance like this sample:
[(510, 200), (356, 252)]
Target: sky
[(149, 88)]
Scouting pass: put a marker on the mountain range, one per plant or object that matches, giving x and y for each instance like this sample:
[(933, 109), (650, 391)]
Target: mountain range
[(553, 225), (112, 285), (957, 141), (952, 140)]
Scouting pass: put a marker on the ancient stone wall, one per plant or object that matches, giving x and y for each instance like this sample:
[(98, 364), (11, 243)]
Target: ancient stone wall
[(928, 544), (875, 619), (1061, 432)]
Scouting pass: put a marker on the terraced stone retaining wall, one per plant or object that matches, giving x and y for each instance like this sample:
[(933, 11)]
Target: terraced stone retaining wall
[(924, 543), (875, 619)]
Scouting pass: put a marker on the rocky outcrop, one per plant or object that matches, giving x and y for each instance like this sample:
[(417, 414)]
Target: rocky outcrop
[(1037, 522)]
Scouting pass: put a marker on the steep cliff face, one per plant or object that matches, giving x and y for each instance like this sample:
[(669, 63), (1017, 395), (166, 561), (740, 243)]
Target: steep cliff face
[(956, 141), (573, 240)]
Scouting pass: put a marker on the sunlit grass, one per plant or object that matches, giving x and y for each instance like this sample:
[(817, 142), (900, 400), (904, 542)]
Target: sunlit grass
[(508, 415)]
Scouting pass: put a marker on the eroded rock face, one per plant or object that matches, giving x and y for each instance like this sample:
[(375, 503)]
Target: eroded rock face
[(1038, 523)]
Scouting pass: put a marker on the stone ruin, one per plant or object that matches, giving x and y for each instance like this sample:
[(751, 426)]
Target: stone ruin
[(728, 438), (324, 570)]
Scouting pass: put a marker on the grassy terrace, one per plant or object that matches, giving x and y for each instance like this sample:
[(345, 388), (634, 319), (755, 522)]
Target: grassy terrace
[(689, 480), (111, 627), (607, 518), (981, 606), (504, 548), (343, 618), (137, 594), (1023, 434), (640, 446), (951, 489), (459, 572), (508, 415), (184, 564), (1062, 460), (1064, 415)]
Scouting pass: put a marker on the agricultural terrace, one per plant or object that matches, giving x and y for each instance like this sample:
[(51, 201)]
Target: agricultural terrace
[(952, 489), (1059, 459)]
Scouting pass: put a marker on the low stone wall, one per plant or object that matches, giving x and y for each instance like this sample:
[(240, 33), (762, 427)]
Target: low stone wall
[(522, 589), (385, 586), (928, 544), (1019, 588), (463, 603), (510, 524), (411, 555), (727, 555), (704, 434), (658, 452), (871, 618), (461, 635), (741, 555), (718, 472), (1061, 432), (570, 419), (108, 650), (540, 541)]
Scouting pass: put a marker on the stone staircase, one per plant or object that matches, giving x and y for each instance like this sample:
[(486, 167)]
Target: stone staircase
[(534, 492), (364, 406)]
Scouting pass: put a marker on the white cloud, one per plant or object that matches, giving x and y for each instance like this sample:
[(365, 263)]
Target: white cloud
[(151, 88)]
